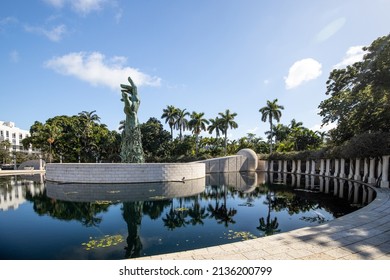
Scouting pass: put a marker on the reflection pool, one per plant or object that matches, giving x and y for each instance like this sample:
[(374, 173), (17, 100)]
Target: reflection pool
[(46, 221)]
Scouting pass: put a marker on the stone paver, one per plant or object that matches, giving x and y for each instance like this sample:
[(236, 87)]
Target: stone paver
[(361, 235)]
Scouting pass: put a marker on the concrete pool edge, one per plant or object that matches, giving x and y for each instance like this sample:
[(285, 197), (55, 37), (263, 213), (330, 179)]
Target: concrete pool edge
[(362, 234)]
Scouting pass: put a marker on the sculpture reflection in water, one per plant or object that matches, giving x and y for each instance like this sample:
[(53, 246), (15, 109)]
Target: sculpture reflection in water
[(170, 217)]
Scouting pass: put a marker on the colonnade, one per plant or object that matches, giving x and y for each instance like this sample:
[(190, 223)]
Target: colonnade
[(370, 170), (355, 192)]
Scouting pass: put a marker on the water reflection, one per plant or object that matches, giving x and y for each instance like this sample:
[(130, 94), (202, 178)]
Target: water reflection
[(112, 193), (168, 217)]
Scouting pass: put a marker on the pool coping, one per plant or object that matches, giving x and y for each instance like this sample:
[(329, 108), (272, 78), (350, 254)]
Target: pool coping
[(361, 235)]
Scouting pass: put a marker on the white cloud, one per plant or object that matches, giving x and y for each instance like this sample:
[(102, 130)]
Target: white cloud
[(55, 34), (96, 70), (80, 6), (302, 71), (354, 54), (86, 6), (330, 29), (319, 127)]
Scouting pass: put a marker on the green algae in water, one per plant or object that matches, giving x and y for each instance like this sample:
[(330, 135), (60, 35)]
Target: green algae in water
[(106, 241)]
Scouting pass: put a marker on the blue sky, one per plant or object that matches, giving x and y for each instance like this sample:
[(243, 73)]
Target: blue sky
[(61, 57)]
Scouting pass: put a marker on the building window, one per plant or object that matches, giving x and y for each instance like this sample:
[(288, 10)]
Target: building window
[(20, 136), (7, 134), (1, 133), (13, 135)]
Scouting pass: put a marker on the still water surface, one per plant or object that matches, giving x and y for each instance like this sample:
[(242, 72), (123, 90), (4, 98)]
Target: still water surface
[(43, 220)]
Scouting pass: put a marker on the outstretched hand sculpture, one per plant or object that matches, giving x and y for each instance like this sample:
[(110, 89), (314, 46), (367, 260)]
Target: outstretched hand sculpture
[(132, 102), (131, 147)]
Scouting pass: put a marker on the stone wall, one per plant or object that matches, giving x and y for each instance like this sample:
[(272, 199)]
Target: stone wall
[(245, 161), (123, 172)]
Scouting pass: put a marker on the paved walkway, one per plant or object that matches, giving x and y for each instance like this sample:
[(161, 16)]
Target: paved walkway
[(363, 234)]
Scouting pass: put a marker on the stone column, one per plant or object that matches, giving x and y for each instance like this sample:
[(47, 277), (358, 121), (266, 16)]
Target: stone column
[(327, 167), (271, 166), (280, 165), (336, 168), (379, 170), (285, 162), (299, 166), (357, 176), (371, 176), (40, 163), (385, 172), (342, 168), (322, 166), (313, 167), (365, 175), (307, 171), (293, 166), (350, 172)]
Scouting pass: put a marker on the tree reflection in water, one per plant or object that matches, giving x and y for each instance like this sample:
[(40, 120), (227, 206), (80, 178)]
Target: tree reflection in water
[(201, 218)]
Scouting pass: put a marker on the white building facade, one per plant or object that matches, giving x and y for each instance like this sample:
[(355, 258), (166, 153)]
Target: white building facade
[(15, 135)]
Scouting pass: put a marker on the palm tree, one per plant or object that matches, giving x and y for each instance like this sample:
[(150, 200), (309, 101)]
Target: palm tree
[(88, 120), (269, 226), (295, 124), (170, 116), (322, 135), (53, 132), (227, 121), (181, 121), (197, 123), (215, 124), (270, 112)]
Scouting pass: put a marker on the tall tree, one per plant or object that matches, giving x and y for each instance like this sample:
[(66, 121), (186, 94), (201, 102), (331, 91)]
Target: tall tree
[(198, 124), (181, 121), (155, 140), (271, 111), (215, 124), (53, 132), (227, 121), (359, 99), (87, 122), (170, 116)]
